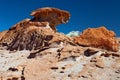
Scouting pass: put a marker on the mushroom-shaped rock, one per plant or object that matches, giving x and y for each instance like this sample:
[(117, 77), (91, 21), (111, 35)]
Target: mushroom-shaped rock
[(98, 37), (53, 15)]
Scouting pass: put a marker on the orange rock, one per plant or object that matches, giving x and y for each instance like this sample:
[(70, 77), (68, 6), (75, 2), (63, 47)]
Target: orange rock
[(23, 28), (36, 33), (52, 15), (98, 37), (2, 34), (31, 35)]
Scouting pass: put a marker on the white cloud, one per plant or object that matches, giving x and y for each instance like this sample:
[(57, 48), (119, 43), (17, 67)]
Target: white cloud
[(73, 33)]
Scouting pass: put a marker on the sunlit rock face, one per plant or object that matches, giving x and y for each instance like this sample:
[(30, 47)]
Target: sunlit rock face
[(53, 15), (25, 35), (2, 34), (98, 37), (30, 35)]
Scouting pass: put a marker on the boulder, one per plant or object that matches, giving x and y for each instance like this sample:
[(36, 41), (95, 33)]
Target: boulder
[(52, 15), (98, 37)]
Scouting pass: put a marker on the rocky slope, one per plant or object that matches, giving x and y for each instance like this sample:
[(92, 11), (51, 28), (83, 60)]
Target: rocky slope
[(33, 50), (2, 34), (31, 35)]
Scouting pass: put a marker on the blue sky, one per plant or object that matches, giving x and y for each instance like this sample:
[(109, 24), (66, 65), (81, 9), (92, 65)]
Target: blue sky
[(84, 13)]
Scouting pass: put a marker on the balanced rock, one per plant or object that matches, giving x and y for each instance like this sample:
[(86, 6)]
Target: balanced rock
[(36, 33), (98, 37), (52, 15)]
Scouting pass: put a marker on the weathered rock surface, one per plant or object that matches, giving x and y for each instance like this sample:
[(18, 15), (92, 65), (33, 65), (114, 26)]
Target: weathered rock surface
[(98, 37), (37, 32), (53, 15), (64, 62), (2, 34), (27, 33), (34, 51), (118, 40)]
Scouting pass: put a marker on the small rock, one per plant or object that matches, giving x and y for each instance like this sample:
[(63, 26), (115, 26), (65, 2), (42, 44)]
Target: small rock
[(90, 52)]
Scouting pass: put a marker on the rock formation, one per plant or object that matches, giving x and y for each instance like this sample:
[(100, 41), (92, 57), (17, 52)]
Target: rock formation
[(53, 15), (98, 37), (31, 35), (37, 32), (32, 50), (61, 62), (118, 40), (2, 34)]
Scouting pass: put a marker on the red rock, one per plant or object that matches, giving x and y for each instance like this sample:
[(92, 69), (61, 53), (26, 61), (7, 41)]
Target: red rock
[(52, 15), (98, 37)]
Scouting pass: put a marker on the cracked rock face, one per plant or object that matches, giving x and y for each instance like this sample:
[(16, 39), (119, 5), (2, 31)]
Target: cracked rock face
[(98, 37)]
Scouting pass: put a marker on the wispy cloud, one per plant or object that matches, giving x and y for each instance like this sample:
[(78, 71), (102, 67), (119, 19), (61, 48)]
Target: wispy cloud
[(73, 33)]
